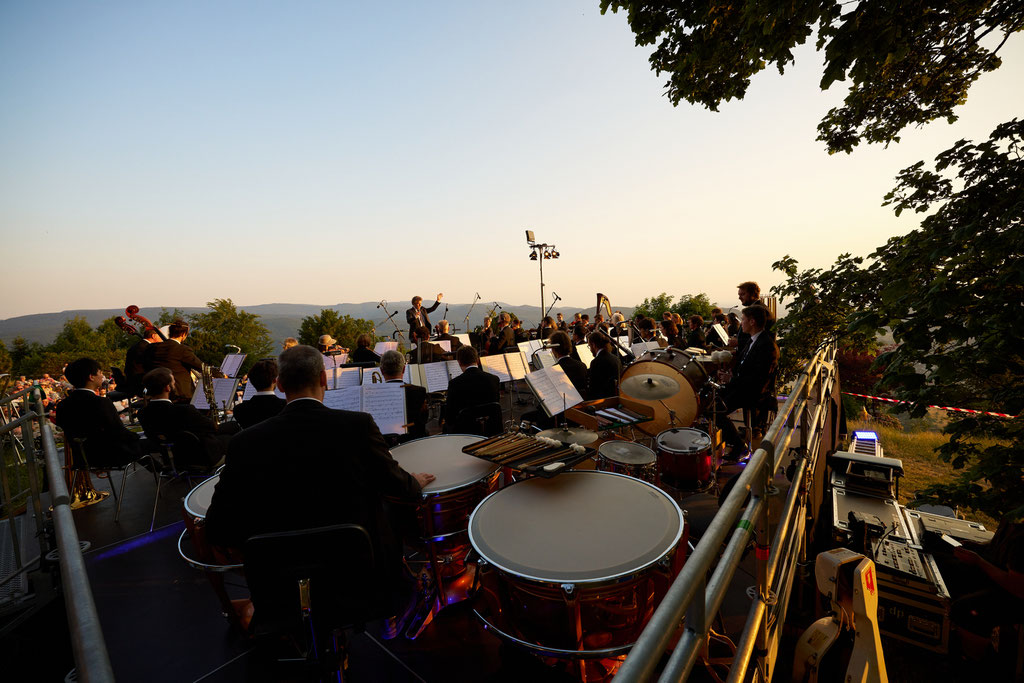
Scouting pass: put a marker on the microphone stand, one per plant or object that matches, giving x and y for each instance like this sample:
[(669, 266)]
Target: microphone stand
[(391, 318), (475, 299)]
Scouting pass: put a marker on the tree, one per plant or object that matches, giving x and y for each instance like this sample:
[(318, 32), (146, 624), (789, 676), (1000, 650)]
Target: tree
[(654, 307), (344, 328), (689, 304), (907, 63), (222, 325), (6, 362), (950, 292)]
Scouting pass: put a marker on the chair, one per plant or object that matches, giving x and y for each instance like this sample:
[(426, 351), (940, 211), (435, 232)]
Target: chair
[(80, 464), (484, 419), (311, 584), (179, 460)]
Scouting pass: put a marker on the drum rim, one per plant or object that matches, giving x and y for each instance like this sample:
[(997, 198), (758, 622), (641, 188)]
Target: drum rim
[(602, 454), (613, 577), (671, 449), (188, 498), (435, 492)]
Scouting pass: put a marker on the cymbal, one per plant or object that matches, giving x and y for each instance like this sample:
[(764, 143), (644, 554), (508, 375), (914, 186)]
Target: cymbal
[(570, 435), (649, 387)]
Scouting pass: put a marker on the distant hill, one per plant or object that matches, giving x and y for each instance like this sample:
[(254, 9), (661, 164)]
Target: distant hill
[(283, 319)]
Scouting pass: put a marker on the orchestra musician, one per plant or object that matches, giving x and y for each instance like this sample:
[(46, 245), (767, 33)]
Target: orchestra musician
[(442, 335), (751, 384), (288, 343), (472, 388), (671, 332), (519, 334), (749, 294), (695, 337), (363, 352), (328, 345), (134, 361), (423, 351), (331, 465), (161, 417), (392, 366), (575, 370), (87, 415), (264, 404), (176, 357), (603, 377), (504, 338), (560, 323), (417, 315)]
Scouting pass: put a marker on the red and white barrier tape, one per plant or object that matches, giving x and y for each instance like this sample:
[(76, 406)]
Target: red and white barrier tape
[(956, 410)]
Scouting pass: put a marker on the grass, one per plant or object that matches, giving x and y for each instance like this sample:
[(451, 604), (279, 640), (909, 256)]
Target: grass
[(915, 445)]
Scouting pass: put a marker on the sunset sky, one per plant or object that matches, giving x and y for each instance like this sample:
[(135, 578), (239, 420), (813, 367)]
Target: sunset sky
[(169, 153)]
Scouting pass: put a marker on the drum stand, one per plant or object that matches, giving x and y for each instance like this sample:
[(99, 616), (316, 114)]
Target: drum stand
[(435, 591)]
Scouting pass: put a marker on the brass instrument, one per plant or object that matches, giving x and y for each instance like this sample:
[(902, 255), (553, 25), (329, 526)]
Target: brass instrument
[(602, 299), (211, 398)]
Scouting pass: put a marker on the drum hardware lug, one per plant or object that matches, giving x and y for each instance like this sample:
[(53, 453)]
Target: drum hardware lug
[(568, 589)]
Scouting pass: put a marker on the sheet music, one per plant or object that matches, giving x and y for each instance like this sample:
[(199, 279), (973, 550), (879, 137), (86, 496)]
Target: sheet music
[(386, 403), (585, 355), (464, 338), (223, 393), (250, 391), (454, 369), (231, 364), (722, 334), (553, 389), (347, 377), (349, 398), (517, 366), (444, 344), (640, 348), (525, 347), (535, 346), (435, 376), (375, 376), (546, 358), (496, 365), (380, 347)]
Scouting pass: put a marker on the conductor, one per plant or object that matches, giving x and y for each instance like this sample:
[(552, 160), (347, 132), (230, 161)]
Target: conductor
[(417, 315)]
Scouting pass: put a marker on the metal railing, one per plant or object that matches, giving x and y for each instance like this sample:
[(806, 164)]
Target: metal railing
[(698, 599), (90, 650)]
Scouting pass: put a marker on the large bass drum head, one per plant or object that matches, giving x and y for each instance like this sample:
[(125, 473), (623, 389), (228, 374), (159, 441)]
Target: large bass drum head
[(578, 527), (684, 402)]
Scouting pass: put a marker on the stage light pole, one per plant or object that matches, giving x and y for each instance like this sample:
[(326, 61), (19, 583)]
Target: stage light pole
[(540, 252)]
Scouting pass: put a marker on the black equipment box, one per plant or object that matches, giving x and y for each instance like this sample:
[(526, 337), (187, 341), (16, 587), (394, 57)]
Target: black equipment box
[(871, 474), (926, 526), (913, 602), (886, 510)]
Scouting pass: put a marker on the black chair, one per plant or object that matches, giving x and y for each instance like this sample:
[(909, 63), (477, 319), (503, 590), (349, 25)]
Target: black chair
[(80, 465), (312, 585), (181, 459), (484, 419)]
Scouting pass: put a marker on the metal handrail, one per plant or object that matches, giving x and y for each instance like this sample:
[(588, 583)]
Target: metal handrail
[(90, 649), (643, 659)]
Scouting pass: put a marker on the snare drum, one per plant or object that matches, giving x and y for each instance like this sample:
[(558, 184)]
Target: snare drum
[(684, 369), (194, 508), (574, 565), (462, 481), (684, 457), (631, 459)]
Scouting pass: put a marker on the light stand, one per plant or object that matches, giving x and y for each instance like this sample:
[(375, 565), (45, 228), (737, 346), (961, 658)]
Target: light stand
[(539, 252)]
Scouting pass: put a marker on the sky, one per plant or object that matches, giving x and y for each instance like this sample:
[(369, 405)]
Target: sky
[(170, 153)]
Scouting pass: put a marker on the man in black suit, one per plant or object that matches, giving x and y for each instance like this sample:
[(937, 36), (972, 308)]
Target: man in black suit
[(85, 414), (331, 466), (392, 366), (423, 351), (444, 336), (134, 361), (417, 315), (363, 352), (472, 388), (604, 369), (264, 404), (574, 369), (162, 418), (176, 357), (749, 294), (752, 375), (504, 339)]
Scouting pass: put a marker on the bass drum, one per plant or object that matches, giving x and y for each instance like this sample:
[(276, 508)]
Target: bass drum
[(462, 481), (574, 566), (684, 369)]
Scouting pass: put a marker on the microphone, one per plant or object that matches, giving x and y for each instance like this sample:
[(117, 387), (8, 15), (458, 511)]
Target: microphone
[(556, 296)]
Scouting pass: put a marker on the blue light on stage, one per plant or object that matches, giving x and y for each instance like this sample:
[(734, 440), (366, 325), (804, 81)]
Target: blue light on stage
[(866, 436)]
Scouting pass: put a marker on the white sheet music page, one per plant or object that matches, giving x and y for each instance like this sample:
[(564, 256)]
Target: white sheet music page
[(413, 374), (553, 389), (436, 376), (380, 347), (223, 393), (444, 344), (535, 346), (722, 334), (250, 391), (386, 403), (546, 358), (517, 366), (525, 347), (585, 355), (454, 369), (231, 364), (496, 365), (464, 338), (349, 398), (347, 377)]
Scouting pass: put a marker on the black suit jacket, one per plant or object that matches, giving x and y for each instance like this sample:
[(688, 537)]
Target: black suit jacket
[(577, 373), (425, 352), (472, 388), (421, 319), (161, 418), (177, 358), (257, 409), (604, 376), (363, 355), (455, 343), (416, 412), (325, 467), (134, 367), (503, 341), (85, 415), (751, 377)]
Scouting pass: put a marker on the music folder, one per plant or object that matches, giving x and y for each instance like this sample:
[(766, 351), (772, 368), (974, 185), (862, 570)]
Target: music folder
[(380, 347), (506, 366), (231, 364), (722, 334), (553, 389)]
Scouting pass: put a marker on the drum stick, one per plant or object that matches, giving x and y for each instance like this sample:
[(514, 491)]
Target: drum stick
[(473, 447), (499, 446), (522, 452), (545, 458)]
